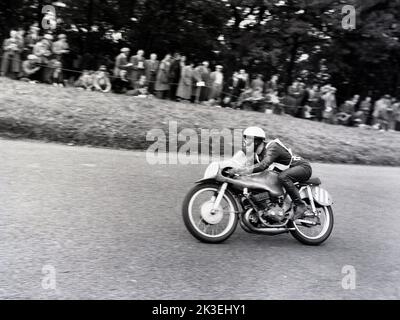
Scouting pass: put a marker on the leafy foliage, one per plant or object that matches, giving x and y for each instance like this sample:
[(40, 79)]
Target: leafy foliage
[(296, 38)]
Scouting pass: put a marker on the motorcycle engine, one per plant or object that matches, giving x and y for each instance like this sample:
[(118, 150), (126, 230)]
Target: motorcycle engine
[(270, 211)]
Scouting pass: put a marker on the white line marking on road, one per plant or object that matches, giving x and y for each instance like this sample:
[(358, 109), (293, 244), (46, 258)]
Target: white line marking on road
[(89, 165)]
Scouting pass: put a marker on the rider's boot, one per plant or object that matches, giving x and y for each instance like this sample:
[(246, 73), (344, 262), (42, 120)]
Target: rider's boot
[(300, 209)]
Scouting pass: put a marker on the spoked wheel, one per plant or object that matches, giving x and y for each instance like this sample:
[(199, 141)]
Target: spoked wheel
[(314, 235), (202, 223)]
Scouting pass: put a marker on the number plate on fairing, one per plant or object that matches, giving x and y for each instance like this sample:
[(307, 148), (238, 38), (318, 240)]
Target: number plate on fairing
[(321, 196)]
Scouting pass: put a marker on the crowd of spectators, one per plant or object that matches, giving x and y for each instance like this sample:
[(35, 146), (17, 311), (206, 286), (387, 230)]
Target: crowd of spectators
[(44, 58)]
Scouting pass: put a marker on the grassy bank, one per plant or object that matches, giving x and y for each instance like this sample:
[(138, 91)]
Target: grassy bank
[(88, 118)]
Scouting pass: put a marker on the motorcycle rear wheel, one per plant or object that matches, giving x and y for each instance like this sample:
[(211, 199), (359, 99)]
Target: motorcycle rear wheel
[(193, 224)]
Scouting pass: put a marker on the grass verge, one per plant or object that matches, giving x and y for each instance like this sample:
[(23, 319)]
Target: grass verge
[(68, 115)]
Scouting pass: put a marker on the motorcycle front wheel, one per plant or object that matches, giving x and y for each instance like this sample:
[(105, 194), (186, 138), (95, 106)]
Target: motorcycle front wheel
[(201, 222), (316, 235)]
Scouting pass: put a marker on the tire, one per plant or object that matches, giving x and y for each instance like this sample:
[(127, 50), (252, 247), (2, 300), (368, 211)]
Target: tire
[(187, 217), (315, 242)]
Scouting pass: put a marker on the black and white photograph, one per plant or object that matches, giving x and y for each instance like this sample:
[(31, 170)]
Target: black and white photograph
[(201, 150)]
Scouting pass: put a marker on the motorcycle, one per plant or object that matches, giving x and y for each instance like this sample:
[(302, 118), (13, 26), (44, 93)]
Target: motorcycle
[(220, 201)]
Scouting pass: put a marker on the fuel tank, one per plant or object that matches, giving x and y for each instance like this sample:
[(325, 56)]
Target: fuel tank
[(266, 180)]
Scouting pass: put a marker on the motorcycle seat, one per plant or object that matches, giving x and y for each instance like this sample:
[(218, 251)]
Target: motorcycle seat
[(313, 181)]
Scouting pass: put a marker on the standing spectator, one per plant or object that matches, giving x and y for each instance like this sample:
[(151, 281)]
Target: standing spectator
[(30, 69), (217, 82), (365, 110), (186, 82), (101, 81), (236, 85), (390, 114), (396, 116), (162, 82), (315, 102), (32, 37), (258, 83), (21, 44), (152, 66), (175, 71), (245, 76), (121, 62), (121, 84), (47, 68), (356, 102), (138, 66), (273, 85), (303, 110), (61, 47), (11, 62), (202, 90), (380, 114), (61, 50), (293, 97), (330, 106)]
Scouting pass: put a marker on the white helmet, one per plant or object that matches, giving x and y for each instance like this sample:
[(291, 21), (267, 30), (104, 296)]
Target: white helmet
[(255, 132)]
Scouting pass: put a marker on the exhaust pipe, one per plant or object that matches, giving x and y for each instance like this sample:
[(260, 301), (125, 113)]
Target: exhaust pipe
[(248, 227)]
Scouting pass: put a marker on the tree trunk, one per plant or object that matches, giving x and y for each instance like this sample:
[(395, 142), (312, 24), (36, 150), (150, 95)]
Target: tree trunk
[(90, 14), (292, 61)]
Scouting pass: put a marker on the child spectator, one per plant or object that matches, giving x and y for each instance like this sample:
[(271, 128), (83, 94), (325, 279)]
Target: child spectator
[(101, 81)]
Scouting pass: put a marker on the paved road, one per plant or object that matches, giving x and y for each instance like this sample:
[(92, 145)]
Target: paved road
[(110, 226)]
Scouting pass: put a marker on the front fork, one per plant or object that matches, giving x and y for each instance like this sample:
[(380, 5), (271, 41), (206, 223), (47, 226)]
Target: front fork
[(218, 200)]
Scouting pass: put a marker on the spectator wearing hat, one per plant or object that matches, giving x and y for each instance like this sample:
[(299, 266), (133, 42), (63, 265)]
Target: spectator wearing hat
[(203, 72), (151, 68), (101, 81), (11, 62), (162, 81), (121, 62), (30, 69), (217, 83), (138, 67)]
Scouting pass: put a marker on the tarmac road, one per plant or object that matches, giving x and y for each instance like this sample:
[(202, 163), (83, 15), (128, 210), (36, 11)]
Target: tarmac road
[(109, 226)]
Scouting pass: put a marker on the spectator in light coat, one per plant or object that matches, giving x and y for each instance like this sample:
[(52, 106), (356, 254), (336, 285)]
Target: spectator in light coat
[(217, 83), (186, 82), (11, 62)]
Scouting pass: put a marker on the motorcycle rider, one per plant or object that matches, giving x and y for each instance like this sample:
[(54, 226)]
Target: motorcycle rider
[(275, 154)]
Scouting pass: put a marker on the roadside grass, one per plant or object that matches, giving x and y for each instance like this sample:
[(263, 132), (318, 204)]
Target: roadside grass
[(67, 115)]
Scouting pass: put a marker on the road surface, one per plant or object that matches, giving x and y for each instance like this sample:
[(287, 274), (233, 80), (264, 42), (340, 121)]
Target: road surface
[(107, 225)]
